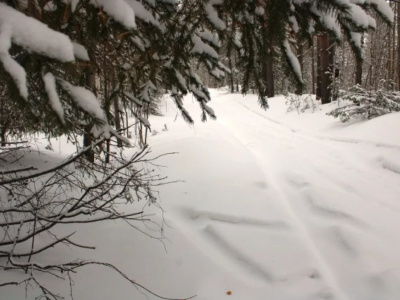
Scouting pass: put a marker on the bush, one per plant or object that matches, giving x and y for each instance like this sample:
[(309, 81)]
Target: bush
[(367, 104), (300, 103), (37, 203)]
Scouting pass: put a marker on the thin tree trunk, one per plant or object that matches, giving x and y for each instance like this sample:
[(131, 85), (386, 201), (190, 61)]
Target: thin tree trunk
[(359, 70), (91, 84), (270, 72), (300, 56), (368, 77), (325, 61), (106, 100), (359, 66), (312, 66), (333, 71), (3, 123), (270, 78), (398, 45), (231, 80), (319, 72), (4, 129), (117, 119), (389, 61), (393, 49), (237, 77)]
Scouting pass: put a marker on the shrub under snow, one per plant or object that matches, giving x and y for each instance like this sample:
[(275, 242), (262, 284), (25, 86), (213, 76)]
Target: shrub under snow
[(367, 104)]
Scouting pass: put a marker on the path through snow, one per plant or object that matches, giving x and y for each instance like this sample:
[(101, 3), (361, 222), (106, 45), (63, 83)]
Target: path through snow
[(301, 215)]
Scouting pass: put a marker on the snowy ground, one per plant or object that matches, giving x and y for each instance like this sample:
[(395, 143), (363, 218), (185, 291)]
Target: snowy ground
[(273, 206)]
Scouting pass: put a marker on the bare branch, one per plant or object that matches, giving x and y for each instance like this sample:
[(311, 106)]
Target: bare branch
[(18, 170)]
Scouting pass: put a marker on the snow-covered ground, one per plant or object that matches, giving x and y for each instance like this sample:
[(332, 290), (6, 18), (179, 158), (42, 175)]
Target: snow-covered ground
[(270, 205)]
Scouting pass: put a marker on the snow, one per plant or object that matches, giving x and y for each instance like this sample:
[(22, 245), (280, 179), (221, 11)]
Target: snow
[(144, 121), (80, 52), (294, 62), (133, 98), (355, 14), (142, 13), (200, 47), (260, 11), (86, 100), (328, 19), (294, 24), (356, 39), (51, 90), (358, 16), (16, 71), (384, 8), (145, 94), (210, 36), (34, 35), (212, 14), (119, 10), (136, 40), (73, 4), (181, 80), (120, 137), (269, 205)]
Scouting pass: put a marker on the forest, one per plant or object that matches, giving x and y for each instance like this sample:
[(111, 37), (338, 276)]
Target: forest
[(247, 148)]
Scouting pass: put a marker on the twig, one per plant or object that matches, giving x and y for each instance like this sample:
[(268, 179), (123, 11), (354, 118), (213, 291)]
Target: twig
[(60, 166), (18, 170)]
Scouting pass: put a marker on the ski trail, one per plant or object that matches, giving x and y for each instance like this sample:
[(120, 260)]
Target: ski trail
[(280, 202), (278, 137), (296, 223), (323, 266), (322, 137), (354, 160)]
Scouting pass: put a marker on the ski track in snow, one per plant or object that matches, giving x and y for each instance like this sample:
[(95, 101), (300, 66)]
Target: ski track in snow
[(322, 262), (321, 137), (296, 193), (243, 221)]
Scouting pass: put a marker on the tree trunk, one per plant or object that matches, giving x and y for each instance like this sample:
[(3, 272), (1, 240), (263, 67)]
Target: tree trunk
[(270, 78), (237, 77), (269, 72), (333, 71), (117, 119), (398, 45), (300, 56), (359, 66), (326, 57), (359, 71), (231, 80), (319, 72), (390, 59), (312, 66), (4, 123), (4, 129)]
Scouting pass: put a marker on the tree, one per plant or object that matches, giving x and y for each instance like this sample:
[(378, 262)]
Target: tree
[(326, 64)]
